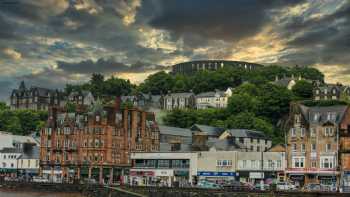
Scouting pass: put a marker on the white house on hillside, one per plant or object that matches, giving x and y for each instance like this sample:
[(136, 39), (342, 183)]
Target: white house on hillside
[(214, 99)]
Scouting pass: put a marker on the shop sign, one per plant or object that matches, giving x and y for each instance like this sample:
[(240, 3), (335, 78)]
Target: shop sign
[(256, 175), (164, 173), (142, 173), (210, 173), (181, 173)]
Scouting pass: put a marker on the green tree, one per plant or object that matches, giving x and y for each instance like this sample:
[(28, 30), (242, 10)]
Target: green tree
[(248, 120), (158, 83), (303, 89), (97, 85), (242, 103), (3, 106), (117, 87), (274, 101)]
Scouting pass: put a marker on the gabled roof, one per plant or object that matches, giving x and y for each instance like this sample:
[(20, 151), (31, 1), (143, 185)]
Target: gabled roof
[(210, 94), (246, 133), (321, 115), (41, 91), (166, 130), (210, 130)]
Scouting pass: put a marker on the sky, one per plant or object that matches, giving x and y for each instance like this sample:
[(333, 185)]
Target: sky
[(50, 43)]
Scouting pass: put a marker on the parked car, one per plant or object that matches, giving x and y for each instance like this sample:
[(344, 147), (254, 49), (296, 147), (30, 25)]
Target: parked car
[(258, 186), (38, 179), (208, 185), (311, 187), (89, 181), (285, 186)]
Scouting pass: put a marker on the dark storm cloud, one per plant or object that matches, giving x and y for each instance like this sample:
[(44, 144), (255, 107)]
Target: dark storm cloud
[(5, 88), (105, 66), (323, 40), (225, 20)]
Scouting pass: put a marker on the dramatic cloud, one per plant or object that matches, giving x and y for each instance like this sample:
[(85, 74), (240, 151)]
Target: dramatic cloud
[(54, 42), (105, 66)]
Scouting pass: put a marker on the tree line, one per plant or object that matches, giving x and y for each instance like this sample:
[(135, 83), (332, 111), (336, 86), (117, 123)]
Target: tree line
[(21, 122)]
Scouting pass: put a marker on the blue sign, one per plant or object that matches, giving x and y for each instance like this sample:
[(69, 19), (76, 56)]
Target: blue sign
[(209, 173)]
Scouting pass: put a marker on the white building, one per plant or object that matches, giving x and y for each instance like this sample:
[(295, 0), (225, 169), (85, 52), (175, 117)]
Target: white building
[(182, 100), (8, 161), (214, 99), (255, 141), (256, 166), (163, 168), (217, 166), (18, 155)]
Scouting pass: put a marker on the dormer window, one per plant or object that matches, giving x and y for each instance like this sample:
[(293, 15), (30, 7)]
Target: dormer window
[(325, 91), (97, 118), (316, 117), (317, 91), (334, 91)]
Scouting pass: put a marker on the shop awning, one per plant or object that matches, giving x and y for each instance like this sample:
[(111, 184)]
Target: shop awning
[(8, 170)]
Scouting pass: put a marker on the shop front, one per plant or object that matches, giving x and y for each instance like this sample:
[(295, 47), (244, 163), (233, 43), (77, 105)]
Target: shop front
[(142, 177), (297, 179), (345, 182), (216, 177), (156, 177), (328, 181)]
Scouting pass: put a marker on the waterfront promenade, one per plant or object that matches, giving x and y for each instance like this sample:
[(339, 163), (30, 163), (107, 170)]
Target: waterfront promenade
[(68, 190)]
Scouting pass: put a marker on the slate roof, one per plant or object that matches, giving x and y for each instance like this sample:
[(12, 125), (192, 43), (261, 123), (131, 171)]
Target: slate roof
[(34, 153), (336, 113), (174, 131), (210, 94), (7, 140), (166, 147), (222, 144), (210, 130), (180, 94), (246, 133)]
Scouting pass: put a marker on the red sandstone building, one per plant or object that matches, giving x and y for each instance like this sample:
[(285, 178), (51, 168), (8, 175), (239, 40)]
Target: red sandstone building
[(95, 143)]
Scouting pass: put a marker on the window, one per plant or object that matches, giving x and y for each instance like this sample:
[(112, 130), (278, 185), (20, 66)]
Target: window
[(313, 147), (298, 162), (316, 117), (270, 164), (327, 162), (302, 148), (312, 132), (302, 132), (313, 164), (293, 133), (294, 147), (328, 131), (297, 119), (244, 163), (223, 163), (279, 164), (163, 163), (328, 147)]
